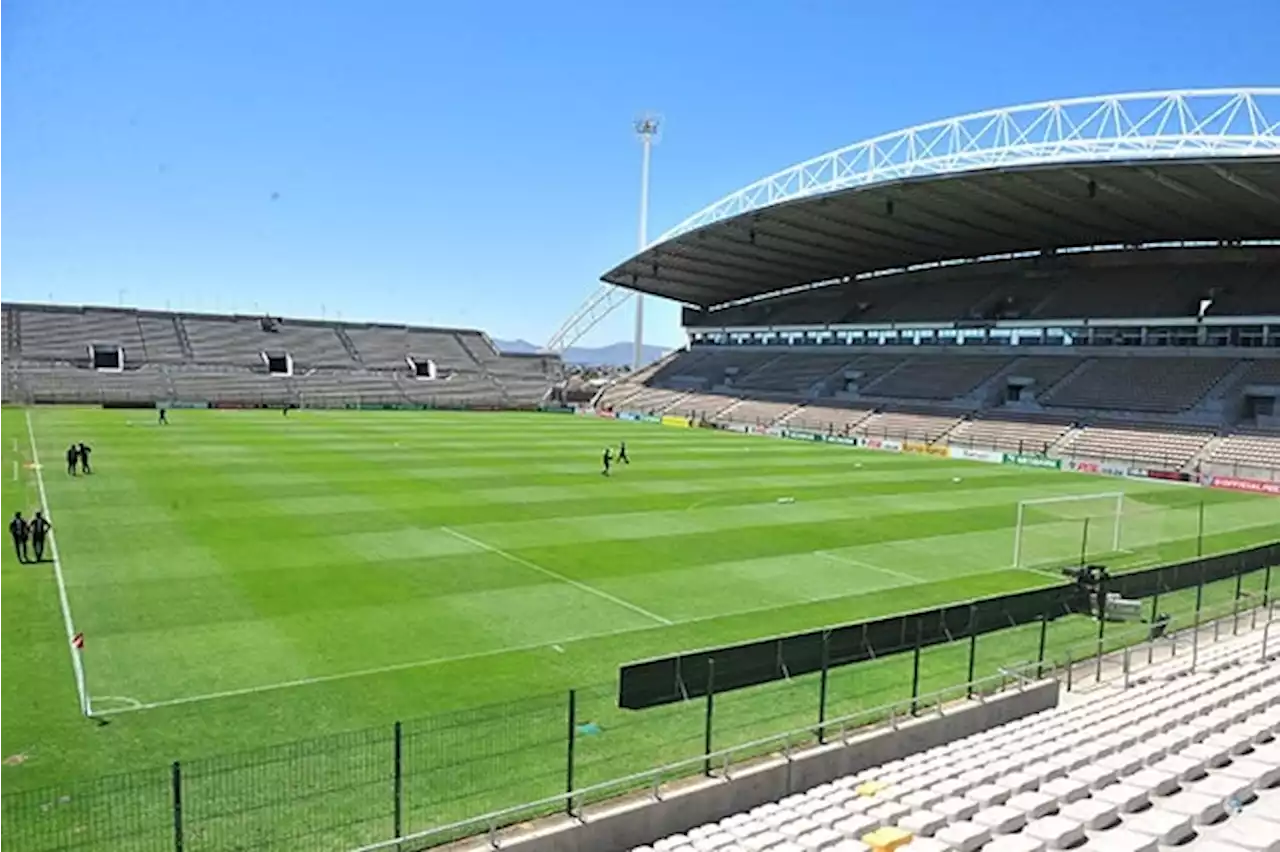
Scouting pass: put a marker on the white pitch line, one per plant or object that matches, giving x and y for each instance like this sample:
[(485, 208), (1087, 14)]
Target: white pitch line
[(835, 557), (435, 661), (511, 557), (63, 600)]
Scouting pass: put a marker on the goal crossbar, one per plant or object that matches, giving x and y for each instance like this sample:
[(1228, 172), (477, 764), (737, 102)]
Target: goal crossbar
[(1116, 512)]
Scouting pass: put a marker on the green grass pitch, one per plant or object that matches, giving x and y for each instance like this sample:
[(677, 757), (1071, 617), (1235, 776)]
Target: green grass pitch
[(245, 579)]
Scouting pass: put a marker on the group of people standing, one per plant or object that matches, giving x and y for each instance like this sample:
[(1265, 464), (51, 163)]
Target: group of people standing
[(35, 531), (78, 455)]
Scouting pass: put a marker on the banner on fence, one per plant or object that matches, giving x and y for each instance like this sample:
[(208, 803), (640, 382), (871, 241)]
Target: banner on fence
[(843, 440), (176, 404), (556, 409), (803, 435), (966, 454), (629, 415), (1238, 483), (1169, 475), (607, 413), (916, 448), (1100, 468), (676, 421), (1032, 460), (127, 404), (889, 445)]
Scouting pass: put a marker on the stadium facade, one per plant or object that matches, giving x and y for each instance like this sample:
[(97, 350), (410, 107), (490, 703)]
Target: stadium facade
[(1096, 280)]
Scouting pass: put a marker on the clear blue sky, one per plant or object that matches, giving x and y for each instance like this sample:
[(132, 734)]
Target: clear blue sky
[(472, 163)]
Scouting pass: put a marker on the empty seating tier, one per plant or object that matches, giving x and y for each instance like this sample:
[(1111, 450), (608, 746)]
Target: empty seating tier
[(1139, 384), (1007, 433), (1162, 446), (937, 377)]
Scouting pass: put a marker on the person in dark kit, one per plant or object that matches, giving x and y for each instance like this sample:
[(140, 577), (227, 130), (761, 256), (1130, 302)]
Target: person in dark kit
[(39, 529), (622, 453), (85, 449), (164, 420), (73, 456), (608, 459), (20, 531)]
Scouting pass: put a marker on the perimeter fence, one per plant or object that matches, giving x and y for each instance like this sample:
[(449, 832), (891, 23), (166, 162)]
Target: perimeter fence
[(573, 748)]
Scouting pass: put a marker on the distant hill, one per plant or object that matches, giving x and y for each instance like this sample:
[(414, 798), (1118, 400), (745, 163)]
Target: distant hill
[(613, 355)]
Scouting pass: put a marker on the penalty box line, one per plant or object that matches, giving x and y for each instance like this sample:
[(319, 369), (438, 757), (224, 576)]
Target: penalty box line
[(525, 563)]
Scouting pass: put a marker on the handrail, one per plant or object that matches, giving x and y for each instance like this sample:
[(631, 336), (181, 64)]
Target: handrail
[(891, 713)]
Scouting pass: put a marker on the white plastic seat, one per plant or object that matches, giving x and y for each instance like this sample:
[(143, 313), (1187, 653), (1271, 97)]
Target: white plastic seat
[(964, 836), (1057, 832), (1001, 819), (956, 809), (1092, 813), (1010, 843), (1200, 807), (1124, 796), (1168, 828), (1122, 840)]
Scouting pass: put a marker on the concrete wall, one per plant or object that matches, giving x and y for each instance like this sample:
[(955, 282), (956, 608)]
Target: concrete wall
[(625, 826)]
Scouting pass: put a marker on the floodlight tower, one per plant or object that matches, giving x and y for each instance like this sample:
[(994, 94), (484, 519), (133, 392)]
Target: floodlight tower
[(646, 129)]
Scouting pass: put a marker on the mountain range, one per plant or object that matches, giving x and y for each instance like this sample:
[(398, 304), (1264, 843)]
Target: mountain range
[(613, 355)]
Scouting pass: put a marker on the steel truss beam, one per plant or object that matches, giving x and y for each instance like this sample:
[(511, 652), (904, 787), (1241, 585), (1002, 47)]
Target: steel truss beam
[(1154, 126)]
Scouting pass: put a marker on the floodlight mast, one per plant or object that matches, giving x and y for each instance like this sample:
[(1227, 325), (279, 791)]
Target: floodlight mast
[(646, 129)]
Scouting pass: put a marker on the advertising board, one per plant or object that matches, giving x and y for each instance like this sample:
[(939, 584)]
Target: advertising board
[(676, 421), (966, 454), (1239, 483), (1032, 460)]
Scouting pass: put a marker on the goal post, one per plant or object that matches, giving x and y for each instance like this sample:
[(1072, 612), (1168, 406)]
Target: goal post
[(1059, 531)]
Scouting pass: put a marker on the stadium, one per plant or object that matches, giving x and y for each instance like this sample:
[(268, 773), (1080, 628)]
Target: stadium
[(951, 528)]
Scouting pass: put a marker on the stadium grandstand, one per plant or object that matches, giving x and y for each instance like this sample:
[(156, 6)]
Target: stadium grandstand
[(120, 356), (1096, 280)]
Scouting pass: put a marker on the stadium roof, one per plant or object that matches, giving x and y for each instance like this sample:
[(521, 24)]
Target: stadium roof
[(1124, 169)]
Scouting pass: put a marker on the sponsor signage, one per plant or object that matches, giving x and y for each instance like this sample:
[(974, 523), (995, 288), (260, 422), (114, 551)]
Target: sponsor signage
[(678, 422), (923, 449), (1237, 483), (801, 435), (966, 454), (1136, 472), (650, 418), (607, 414), (1031, 460), (890, 445), (556, 409), (844, 440), (1170, 475), (180, 404)]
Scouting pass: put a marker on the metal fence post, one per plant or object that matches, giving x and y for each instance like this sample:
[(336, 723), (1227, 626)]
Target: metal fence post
[(1102, 632), (915, 667), (973, 654), (177, 807), (1235, 604), (1195, 629), (568, 760), (398, 782), (706, 733), (822, 687), (1044, 635), (1266, 587), (1155, 605)]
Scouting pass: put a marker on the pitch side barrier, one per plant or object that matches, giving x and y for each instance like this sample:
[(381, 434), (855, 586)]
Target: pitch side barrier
[(667, 680), (670, 679)]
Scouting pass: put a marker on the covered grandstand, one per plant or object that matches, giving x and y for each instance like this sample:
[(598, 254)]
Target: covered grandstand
[(1096, 280)]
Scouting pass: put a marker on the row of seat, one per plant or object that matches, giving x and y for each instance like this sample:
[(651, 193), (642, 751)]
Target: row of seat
[(1181, 759), (1141, 384)]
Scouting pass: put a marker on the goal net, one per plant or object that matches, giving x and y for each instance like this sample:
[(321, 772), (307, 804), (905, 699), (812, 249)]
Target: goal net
[(1054, 532)]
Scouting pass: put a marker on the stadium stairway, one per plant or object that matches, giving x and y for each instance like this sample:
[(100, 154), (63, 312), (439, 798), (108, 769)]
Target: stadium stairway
[(1178, 758)]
